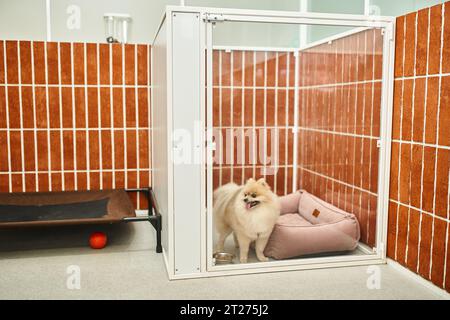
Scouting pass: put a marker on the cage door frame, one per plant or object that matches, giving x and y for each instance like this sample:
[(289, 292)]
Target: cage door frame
[(387, 24)]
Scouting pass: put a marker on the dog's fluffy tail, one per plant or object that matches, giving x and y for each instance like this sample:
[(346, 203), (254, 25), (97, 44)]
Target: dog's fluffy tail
[(222, 197)]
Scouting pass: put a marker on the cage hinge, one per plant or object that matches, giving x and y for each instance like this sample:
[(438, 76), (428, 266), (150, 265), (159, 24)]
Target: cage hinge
[(214, 18), (389, 32), (378, 143)]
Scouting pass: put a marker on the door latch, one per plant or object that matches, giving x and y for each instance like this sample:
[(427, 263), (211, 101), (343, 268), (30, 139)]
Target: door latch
[(214, 18)]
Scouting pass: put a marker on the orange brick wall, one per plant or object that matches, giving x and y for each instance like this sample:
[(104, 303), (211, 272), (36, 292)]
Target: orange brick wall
[(74, 116), (418, 235), (339, 124), (253, 92)]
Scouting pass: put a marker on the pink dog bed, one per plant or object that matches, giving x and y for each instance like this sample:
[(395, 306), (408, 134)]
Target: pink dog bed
[(309, 225)]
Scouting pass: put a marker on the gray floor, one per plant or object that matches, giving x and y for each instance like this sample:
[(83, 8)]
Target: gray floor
[(33, 265)]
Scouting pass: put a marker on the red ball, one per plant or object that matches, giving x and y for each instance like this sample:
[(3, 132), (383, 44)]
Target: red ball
[(98, 240)]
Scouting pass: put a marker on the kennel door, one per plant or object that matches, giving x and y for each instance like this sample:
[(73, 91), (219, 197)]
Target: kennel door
[(305, 106)]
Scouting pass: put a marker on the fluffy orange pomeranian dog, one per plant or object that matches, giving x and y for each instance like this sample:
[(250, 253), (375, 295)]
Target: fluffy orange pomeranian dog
[(249, 212)]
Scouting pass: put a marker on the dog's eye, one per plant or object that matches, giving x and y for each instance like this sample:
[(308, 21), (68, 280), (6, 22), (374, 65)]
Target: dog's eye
[(253, 195), (245, 194)]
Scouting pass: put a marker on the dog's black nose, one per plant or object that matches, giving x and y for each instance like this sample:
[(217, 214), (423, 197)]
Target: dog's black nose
[(245, 200)]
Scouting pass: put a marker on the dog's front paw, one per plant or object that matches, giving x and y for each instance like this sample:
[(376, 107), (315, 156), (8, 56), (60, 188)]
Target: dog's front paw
[(263, 258), (243, 260)]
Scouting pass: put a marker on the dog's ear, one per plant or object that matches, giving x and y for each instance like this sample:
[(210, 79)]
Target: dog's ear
[(263, 182), (250, 180)]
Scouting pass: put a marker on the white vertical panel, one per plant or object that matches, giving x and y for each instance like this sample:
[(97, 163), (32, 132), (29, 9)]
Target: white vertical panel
[(209, 151), (160, 158), (186, 116)]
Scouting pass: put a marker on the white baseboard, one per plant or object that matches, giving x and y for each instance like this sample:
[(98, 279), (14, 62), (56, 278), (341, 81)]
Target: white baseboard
[(424, 282)]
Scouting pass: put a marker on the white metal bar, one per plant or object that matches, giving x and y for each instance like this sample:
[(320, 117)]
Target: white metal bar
[(286, 118), (371, 126), (303, 30), (243, 115), (277, 137), (209, 154), (296, 115), (251, 48), (293, 263), (280, 15), (272, 267), (223, 139), (231, 93), (264, 155), (48, 18), (386, 136), (254, 132), (204, 150), (366, 7), (304, 20), (333, 38)]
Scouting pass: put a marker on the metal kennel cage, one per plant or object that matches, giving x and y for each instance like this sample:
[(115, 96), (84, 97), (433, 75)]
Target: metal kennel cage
[(185, 60)]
